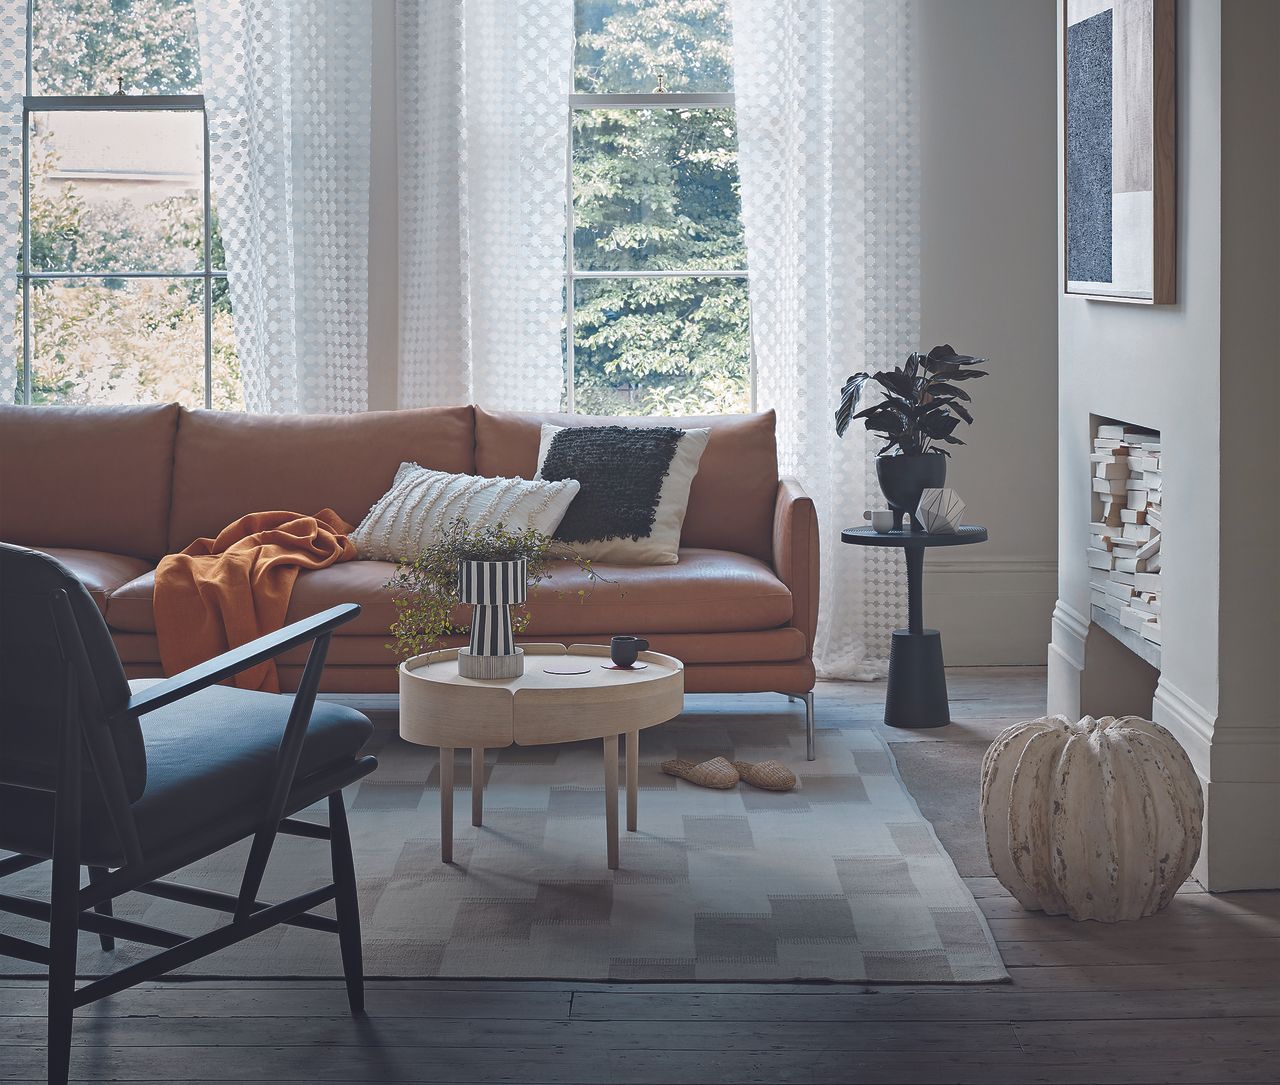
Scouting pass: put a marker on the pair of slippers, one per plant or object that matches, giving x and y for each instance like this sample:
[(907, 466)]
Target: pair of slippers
[(723, 775)]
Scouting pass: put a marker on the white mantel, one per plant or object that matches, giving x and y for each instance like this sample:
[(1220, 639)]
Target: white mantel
[(1205, 372)]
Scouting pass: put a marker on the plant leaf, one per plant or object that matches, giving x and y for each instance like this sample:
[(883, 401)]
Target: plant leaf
[(942, 388), (850, 395)]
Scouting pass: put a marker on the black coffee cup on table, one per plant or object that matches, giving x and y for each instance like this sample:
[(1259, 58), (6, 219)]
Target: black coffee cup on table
[(624, 650)]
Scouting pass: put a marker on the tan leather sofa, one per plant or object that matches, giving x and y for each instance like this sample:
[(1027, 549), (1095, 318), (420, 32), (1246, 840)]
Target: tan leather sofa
[(109, 491)]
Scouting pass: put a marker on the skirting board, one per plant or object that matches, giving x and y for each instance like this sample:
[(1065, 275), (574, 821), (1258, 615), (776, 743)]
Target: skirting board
[(991, 612)]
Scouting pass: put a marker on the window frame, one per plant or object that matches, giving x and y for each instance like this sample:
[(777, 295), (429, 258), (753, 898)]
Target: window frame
[(118, 103), (578, 102)]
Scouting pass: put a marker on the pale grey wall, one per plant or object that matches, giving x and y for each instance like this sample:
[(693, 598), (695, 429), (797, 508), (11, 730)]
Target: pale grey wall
[(1201, 371), (988, 114)]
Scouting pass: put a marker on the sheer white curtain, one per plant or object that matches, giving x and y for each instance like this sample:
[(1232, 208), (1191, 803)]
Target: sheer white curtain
[(13, 79), (287, 88), (827, 154), (483, 119)]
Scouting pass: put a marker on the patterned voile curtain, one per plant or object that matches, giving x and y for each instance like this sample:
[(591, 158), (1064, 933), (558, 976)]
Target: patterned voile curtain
[(13, 80), (830, 200), (483, 130), (287, 87)]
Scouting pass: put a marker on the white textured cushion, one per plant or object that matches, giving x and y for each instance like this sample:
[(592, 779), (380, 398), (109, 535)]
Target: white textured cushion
[(661, 544), (422, 503)]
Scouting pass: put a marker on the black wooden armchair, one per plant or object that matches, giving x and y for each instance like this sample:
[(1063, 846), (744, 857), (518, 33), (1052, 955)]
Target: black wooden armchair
[(135, 786)]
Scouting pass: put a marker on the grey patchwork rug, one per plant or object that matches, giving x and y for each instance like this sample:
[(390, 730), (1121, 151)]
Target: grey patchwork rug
[(839, 880)]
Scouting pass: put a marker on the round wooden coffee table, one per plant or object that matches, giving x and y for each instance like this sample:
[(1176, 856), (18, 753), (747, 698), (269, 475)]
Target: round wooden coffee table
[(442, 709)]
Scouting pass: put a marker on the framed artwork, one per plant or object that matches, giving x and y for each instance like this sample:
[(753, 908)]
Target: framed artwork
[(1119, 192)]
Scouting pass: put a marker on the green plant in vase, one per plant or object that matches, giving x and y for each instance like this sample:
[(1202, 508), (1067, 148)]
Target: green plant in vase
[(922, 406), (491, 568)]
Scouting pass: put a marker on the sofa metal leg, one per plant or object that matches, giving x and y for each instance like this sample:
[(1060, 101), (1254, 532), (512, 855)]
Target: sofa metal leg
[(809, 727)]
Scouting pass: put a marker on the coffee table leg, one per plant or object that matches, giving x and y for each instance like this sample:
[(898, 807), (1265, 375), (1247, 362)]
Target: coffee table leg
[(611, 798), (446, 805), (633, 778), (477, 786)]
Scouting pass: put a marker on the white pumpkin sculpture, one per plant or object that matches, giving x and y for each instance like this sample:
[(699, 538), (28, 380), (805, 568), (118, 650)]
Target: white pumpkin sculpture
[(1098, 819)]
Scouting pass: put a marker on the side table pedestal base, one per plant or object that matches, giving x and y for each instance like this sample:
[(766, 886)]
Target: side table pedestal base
[(917, 694)]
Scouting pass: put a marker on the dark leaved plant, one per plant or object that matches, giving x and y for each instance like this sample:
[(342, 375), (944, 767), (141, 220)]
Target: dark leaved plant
[(923, 402)]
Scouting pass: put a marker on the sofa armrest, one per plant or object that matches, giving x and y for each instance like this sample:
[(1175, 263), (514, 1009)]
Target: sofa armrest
[(795, 553)]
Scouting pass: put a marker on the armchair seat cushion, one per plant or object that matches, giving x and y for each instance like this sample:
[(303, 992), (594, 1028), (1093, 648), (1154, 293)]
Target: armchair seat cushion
[(210, 767)]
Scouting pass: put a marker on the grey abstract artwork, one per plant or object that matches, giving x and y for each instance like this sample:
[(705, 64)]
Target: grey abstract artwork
[(1112, 179), (1089, 183)]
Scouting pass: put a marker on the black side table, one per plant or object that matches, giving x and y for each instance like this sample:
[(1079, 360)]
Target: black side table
[(917, 694)]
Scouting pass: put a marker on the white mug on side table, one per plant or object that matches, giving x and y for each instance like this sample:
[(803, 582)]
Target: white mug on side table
[(881, 520)]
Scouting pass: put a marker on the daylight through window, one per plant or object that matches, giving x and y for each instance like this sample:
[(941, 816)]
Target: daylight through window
[(123, 291), (656, 291)]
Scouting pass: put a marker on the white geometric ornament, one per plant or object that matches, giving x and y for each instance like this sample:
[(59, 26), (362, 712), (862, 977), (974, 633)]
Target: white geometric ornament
[(940, 511)]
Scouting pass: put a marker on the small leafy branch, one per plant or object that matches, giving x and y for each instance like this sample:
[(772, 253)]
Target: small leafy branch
[(425, 587), (923, 401)]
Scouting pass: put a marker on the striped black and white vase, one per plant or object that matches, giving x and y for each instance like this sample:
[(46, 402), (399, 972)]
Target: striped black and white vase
[(492, 588)]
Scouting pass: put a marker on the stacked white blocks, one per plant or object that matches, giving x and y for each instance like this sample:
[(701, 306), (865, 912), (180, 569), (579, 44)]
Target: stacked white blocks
[(1124, 541)]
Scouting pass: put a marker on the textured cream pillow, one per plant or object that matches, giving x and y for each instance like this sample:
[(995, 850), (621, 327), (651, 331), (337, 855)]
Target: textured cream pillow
[(422, 503), (635, 488)]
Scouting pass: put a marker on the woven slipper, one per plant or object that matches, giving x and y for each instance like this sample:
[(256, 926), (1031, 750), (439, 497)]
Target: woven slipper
[(716, 773), (767, 775)]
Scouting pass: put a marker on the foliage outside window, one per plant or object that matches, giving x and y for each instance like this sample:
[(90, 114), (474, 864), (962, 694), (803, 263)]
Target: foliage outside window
[(123, 285), (657, 286)]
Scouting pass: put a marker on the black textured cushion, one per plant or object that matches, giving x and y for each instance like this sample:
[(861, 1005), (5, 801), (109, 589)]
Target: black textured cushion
[(621, 470), (210, 759)]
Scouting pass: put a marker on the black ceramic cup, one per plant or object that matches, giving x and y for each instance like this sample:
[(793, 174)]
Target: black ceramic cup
[(623, 650)]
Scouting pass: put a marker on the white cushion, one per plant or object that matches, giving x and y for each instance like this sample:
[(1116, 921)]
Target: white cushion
[(661, 544), (422, 503)]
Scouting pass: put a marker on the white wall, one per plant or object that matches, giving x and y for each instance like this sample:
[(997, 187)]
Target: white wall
[(988, 108), (1201, 372)]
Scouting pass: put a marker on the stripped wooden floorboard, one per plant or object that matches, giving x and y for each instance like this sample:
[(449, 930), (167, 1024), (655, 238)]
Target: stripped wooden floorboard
[(1188, 997)]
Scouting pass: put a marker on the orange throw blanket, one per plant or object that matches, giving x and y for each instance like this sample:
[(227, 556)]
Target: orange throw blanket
[(221, 593)]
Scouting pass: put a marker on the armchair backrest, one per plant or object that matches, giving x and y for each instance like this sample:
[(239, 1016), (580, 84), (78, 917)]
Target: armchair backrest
[(34, 652)]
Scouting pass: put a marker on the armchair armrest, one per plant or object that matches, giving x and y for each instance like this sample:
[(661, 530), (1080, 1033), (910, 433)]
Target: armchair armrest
[(240, 659), (795, 553)]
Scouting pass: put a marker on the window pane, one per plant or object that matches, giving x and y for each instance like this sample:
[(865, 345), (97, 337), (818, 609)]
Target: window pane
[(623, 46), (656, 190), (117, 341), (94, 46), (19, 396), (661, 346), (227, 391), (117, 191)]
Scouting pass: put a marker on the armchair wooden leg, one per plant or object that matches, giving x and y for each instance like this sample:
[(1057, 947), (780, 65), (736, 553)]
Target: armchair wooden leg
[(64, 895), (96, 874), (346, 902)]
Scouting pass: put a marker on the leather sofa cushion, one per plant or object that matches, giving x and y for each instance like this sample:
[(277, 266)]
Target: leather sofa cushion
[(210, 764), (92, 478), (229, 464), (707, 591), (762, 645), (100, 573), (734, 492)]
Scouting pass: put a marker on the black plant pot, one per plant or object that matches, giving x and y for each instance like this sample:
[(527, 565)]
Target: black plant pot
[(904, 478)]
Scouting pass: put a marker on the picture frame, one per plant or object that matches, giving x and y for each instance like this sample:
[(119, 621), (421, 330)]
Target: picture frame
[(1119, 184)]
